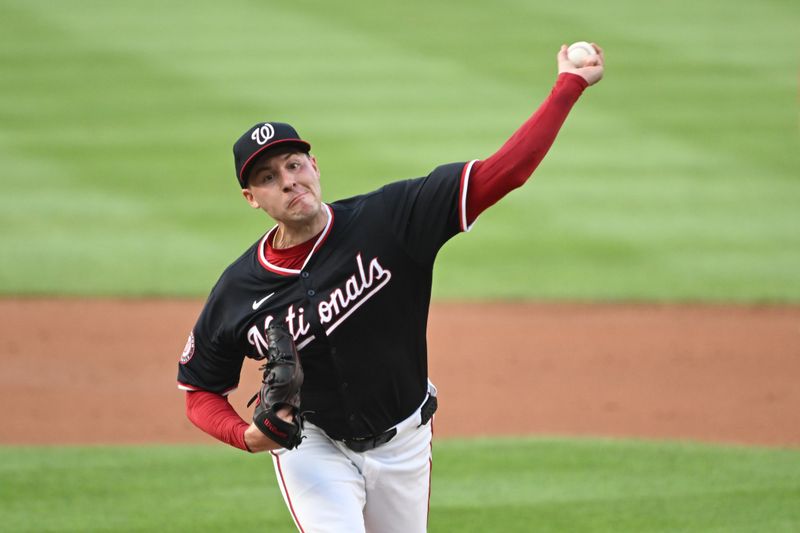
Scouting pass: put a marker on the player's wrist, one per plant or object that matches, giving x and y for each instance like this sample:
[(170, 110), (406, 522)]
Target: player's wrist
[(256, 441), (573, 79)]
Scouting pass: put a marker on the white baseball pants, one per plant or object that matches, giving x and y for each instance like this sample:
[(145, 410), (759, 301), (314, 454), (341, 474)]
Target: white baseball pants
[(329, 488)]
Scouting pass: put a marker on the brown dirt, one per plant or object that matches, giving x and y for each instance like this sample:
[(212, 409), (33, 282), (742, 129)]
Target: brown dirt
[(103, 371)]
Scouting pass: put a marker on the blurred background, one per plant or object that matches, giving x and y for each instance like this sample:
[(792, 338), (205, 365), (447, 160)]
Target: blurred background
[(676, 178)]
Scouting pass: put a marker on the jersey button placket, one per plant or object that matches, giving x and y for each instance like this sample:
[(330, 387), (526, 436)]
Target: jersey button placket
[(306, 281)]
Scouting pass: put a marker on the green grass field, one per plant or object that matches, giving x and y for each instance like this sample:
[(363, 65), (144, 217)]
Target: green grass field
[(675, 179), (509, 485)]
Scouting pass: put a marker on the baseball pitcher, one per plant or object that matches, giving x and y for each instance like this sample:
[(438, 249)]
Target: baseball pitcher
[(334, 299)]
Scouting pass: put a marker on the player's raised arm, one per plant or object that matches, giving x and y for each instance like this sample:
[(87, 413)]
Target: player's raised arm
[(512, 165)]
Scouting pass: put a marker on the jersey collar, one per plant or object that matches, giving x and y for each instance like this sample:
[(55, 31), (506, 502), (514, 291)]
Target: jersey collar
[(262, 246)]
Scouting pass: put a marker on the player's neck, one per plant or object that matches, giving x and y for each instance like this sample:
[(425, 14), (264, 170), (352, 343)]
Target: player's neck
[(292, 234)]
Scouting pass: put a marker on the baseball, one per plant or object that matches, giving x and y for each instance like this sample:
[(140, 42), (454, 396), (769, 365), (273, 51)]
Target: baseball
[(578, 52)]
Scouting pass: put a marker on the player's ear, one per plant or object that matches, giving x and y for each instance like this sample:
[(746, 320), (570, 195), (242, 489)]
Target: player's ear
[(248, 196)]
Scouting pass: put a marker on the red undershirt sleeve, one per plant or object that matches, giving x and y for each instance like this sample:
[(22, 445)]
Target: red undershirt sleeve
[(515, 161), (216, 416)]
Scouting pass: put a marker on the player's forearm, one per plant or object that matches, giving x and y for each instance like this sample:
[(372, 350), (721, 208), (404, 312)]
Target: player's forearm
[(256, 441), (216, 416), (515, 161)]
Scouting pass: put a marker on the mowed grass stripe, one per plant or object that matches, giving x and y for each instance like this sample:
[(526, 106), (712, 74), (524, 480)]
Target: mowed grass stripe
[(503, 484), (671, 181)]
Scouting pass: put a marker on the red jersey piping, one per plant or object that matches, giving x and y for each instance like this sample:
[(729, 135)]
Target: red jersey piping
[(262, 246), (286, 491), (462, 200), (192, 388)]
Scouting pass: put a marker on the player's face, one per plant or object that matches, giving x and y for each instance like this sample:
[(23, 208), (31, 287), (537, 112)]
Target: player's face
[(286, 186)]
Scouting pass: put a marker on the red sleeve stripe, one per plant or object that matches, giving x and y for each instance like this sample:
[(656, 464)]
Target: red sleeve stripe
[(192, 388), (462, 202)]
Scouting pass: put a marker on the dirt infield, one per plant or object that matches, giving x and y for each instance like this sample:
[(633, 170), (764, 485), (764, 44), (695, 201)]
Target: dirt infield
[(103, 371)]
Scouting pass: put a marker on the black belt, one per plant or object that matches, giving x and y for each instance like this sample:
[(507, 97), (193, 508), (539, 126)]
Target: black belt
[(363, 444)]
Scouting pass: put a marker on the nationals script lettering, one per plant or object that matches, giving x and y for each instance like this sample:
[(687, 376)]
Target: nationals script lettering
[(333, 310)]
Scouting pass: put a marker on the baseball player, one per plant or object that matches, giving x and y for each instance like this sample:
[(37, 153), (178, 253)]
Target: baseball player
[(335, 299)]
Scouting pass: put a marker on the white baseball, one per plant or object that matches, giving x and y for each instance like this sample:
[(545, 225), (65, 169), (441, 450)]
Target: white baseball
[(578, 52)]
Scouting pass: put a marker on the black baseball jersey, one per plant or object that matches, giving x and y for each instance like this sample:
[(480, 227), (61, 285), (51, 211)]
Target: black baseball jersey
[(358, 307)]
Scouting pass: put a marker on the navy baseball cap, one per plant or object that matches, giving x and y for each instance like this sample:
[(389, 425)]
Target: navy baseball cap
[(258, 140)]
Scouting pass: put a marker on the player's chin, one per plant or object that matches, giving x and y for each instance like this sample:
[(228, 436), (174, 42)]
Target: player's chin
[(306, 207)]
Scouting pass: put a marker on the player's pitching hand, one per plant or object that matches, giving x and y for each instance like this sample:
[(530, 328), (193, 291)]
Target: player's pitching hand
[(592, 71)]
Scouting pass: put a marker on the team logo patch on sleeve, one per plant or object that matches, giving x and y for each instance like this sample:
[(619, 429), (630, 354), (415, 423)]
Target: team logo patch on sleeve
[(188, 350)]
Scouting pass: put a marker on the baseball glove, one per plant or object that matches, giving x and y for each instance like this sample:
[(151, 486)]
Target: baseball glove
[(283, 377)]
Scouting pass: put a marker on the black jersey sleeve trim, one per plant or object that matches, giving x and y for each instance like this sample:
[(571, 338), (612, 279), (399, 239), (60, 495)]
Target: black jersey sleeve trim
[(462, 203)]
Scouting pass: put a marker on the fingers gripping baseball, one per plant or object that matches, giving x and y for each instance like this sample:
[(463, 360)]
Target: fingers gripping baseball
[(592, 68), (280, 390)]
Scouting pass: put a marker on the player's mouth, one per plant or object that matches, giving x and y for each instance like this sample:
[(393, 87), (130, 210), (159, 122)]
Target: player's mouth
[(295, 199)]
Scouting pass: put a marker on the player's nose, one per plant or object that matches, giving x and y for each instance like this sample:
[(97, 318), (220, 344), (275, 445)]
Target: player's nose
[(287, 181)]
